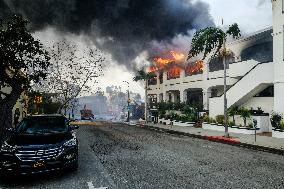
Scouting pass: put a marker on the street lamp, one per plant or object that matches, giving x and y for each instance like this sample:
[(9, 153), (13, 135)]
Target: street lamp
[(128, 102)]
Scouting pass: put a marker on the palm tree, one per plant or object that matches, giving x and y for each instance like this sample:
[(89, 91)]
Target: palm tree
[(245, 114), (232, 112), (142, 75), (212, 39)]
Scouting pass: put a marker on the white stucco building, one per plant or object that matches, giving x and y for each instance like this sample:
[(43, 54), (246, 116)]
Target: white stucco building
[(255, 74)]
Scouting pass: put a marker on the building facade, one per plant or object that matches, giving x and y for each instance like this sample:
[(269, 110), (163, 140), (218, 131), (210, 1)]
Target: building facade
[(255, 74)]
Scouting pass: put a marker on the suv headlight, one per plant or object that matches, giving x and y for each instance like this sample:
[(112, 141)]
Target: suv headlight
[(7, 148), (70, 143)]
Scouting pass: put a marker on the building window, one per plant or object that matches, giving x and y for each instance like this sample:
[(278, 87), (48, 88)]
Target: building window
[(173, 73), (152, 81)]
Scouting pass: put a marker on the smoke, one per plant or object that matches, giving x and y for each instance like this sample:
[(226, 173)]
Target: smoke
[(124, 28)]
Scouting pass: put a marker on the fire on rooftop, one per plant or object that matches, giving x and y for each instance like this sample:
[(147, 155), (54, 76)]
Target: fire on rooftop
[(173, 65)]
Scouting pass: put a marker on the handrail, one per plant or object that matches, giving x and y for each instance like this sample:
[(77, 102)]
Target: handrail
[(243, 76)]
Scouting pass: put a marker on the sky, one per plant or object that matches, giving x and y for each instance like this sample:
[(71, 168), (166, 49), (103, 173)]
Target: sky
[(251, 15)]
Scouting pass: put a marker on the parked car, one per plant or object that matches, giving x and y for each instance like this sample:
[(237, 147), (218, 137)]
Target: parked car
[(39, 143)]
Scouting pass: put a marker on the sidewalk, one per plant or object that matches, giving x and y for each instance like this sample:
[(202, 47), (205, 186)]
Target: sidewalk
[(264, 143)]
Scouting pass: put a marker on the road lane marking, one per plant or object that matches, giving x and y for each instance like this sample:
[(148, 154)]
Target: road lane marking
[(91, 186)]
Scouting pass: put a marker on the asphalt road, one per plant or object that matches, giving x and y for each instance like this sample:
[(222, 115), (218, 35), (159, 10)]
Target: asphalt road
[(121, 156)]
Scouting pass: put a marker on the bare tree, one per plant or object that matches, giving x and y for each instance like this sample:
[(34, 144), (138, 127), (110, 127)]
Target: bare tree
[(73, 71)]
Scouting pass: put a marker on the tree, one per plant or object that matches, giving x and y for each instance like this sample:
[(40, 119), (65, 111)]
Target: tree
[(245, 113), (232, 112), (73, 71), (142, 75), (23, 61), (213, 39)]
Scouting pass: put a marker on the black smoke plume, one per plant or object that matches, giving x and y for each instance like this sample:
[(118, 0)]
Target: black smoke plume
[(122, 27)]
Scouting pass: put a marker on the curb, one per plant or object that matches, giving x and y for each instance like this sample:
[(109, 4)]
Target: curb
[(219, 139)]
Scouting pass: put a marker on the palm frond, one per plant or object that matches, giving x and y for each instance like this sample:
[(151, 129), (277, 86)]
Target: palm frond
[(211, 39)]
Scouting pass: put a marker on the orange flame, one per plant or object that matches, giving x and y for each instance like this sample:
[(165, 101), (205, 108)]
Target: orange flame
[(195, 68), (173, 72), (152, 69), (177, 56), (160, 62)]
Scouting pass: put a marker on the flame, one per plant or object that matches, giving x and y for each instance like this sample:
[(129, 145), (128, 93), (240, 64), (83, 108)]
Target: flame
[(177, 56), (160, 62), (173, 72), (152, 69), (195, 68)]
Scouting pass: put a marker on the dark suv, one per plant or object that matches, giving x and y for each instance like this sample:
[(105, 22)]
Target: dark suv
[(39, 143)]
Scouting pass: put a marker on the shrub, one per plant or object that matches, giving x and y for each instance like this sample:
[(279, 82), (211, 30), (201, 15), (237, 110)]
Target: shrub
[(220, 119), (186, 109), (212, 120), (281, 126), (276, 119), (174, 116), (231, 123), (206, 118), (250, 125)]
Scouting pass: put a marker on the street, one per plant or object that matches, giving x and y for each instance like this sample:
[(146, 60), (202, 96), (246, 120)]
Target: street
[(122, 156)]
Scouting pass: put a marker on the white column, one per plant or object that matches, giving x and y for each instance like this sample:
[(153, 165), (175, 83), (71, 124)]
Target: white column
[(173, 97), (278, 55), (183, 95), (165, 98), (182, 75), (158, 98), (206, 69), (206, 96), (161, 97), (164, 77)]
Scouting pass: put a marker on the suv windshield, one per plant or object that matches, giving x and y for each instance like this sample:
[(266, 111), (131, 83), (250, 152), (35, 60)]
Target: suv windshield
[(42, 125)]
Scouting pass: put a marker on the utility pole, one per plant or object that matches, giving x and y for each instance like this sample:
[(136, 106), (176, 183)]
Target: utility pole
[(225, 85), (128, 102)]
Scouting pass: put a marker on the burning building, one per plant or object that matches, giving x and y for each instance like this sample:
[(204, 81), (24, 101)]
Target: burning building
[(255, 75)]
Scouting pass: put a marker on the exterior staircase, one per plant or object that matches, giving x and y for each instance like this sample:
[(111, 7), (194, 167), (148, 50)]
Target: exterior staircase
[(253, 82)]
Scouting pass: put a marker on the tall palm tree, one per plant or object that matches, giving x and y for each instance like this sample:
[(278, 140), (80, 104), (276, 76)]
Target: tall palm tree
[(142, 75), (212, 39)]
